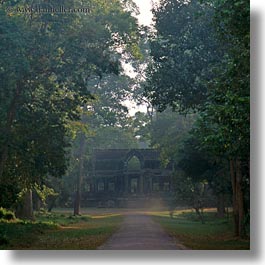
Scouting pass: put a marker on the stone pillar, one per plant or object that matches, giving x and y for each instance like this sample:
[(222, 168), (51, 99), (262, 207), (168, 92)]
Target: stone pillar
[(141, 183), (126, 183), (151, 184)]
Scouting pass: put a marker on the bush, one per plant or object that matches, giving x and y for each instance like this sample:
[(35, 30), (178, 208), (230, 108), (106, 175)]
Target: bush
[(1, 213), (3, 240), (6, 215), (10, 216)]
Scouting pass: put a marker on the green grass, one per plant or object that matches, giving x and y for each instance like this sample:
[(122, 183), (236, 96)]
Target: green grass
[(58, 231), (215, 234), (61, 230)]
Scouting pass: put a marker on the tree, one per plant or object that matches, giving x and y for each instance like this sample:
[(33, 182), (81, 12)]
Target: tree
[(183, 47), (190, 192), (201, 61), (107, 119), (224, 124), (201, 166), (168, 131), (46, 92)]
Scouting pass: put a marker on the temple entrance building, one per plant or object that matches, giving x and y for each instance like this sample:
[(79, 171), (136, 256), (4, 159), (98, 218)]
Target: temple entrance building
[(127, 178)]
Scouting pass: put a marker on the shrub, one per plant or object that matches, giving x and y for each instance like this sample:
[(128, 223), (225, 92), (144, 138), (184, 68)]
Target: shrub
[(10, 216), (6, 214), (2, 213), (3, 240)]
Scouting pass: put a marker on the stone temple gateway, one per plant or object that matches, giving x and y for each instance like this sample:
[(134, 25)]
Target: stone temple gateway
[(127, 178)]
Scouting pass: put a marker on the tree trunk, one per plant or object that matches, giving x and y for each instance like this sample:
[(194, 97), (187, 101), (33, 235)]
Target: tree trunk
[(235, 206), (25, 209), (10, 118), (80, 176), (238, 196), (37, 204), (51, 204), (220, 205), (200, 214)]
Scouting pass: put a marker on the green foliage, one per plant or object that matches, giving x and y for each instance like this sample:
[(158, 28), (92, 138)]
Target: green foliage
[(201, 60), (113, 138), (224, 123), (43, 192), (190, 191), (6, 214), (58, 231), (199, 178), (9, 191), (168, 131), (47, 66), (201, 52), (183, 47), (21, 233), (192, 160)]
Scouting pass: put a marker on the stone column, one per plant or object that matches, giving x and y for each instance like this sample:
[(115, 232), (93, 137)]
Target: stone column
[(151, 184), (141, 183), (126, 183)]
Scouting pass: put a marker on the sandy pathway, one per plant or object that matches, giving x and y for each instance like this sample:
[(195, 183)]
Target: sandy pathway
[(140, 232)]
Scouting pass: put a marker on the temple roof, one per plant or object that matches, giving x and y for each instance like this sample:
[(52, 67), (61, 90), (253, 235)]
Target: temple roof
[(124, 154), (115, 161)]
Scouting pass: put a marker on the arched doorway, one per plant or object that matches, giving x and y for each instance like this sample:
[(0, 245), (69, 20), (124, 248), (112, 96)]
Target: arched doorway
[(134, 164), (133, 173)]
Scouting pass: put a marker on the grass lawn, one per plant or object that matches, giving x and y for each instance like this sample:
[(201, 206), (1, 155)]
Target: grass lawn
[(59, 231), (215, 234)]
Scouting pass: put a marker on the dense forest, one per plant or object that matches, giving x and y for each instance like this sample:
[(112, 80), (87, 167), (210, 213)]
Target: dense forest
[(68, 82)]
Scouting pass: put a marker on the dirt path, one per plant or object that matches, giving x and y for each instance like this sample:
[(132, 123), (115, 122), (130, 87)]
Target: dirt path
[(140, 232)]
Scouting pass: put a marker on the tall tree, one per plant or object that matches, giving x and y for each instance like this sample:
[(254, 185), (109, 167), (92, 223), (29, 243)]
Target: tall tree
[(46, 62), (183, 47), (168, 132), (225, 122), (201, 61)]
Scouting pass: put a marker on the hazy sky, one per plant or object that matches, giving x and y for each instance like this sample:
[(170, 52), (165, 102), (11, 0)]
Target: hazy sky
[(145, 16)]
